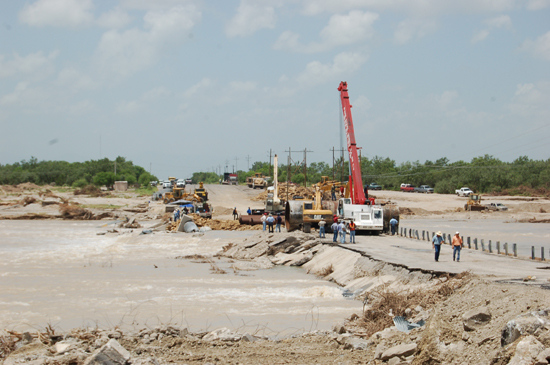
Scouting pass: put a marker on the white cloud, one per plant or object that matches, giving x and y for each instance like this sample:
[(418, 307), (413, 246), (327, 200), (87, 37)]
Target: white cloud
[(58, 13), (480, 36), (413, 28), (343, 65), (36, 64), (154, 4), (538, 4), (502, 21), (252, 15), (16, 95), (362, 103), (75, 80), (532, 100), (242, 86), (499, 22), (355, 27), (419, 8), (150, 96), (539, 48), (203, 84), (124, 53), (114, 19)]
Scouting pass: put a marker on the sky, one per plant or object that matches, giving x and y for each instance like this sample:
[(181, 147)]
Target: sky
[(179, 86)]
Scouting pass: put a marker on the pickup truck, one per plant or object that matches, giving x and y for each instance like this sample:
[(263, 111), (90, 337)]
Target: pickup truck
[(424, 189), (374, 186), (496, 206), (463, 192), (408, 188)]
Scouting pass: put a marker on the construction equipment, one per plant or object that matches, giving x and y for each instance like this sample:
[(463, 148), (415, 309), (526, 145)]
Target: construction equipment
[(257, 181), (201, 193), (367, 216), (474, 203), (306, 214), (229, 179), (273, 204)]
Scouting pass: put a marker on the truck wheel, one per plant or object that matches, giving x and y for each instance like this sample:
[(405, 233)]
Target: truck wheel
[(172, 200), (307, 228), (165, 201)]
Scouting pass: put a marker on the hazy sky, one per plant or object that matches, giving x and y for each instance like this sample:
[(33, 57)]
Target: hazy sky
[(187, 85)]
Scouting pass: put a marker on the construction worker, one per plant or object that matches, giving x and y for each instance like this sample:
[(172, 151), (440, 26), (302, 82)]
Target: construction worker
[(264, 219), (334, 228), (342, 191), (393, 224), (437, 241), (322, 224), (270, 220), (342, 231), (333, 192), (351, 231), (279, 220), (249, 211), (235, 214), (457, 246)]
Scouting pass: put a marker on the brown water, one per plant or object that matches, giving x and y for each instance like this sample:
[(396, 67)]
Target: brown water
[(62, 273)]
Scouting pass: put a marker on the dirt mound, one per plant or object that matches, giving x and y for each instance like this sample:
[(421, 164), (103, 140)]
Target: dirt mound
[(222, 211), (216, 224), (28, 186), (27, 200), (69, 211), (306, 193), (90, 190)]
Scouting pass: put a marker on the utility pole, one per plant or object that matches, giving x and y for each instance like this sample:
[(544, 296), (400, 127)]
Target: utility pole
[(305, 166), (115, 169), (226, 165), (248, 162), (332, 163), (150, 164), (236, 166)]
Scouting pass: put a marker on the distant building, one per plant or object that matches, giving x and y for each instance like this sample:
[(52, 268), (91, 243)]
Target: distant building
[(121, 185)]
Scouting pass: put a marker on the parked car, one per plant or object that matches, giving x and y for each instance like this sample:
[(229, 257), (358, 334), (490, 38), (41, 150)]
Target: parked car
[(463, 192), (374, 186), (153, 183), (167, 184), (188, 181), (408, 188), (180, 183), (424, 189), (497, 206)]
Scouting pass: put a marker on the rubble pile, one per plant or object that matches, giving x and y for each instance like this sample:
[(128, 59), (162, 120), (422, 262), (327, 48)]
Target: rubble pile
[(306, 193), (69, 211), (90, 190), (215, 224)]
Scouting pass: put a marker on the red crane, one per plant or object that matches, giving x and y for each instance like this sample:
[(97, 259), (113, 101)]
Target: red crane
[(356, 181)]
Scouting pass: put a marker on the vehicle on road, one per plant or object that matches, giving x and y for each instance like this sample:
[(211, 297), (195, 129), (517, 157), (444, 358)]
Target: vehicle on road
[(407, 188), (496, 206), (166, 184), (188, 181), (374, 186), (464, 192), (474, 203), (424, 189), (180, 183), (153, 183)]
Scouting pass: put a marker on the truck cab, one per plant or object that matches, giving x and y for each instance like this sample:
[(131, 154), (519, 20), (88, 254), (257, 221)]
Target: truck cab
[(366, 217)]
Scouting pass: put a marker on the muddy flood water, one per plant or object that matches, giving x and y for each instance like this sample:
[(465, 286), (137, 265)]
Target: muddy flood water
[(63, 274)]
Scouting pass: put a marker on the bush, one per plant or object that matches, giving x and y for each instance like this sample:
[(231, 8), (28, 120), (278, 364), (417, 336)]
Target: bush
[(80, 183)]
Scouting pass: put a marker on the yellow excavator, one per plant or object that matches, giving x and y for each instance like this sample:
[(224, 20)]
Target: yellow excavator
[(474, 203)]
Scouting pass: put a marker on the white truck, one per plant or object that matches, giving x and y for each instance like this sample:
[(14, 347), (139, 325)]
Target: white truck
[(463, 192)]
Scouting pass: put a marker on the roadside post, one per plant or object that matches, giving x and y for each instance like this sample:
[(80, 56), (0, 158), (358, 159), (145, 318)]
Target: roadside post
[(532, 252), (515, 248), (490, 247), (506, 248), (482, 245), (475, 243), (542, 254), (469, 243), (498, 247)]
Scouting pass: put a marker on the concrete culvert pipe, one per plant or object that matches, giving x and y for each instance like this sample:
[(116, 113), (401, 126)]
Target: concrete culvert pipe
[(294, 215), (190, 227)]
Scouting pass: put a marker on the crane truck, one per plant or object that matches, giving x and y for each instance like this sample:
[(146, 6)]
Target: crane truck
[(368, 216)]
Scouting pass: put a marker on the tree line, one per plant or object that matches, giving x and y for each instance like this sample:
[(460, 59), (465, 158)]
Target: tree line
[(98, 172), (482, 174)]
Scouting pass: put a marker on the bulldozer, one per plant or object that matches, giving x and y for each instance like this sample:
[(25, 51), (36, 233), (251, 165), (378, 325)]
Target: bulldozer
[(256, 181), (199, 195), (474, 203)]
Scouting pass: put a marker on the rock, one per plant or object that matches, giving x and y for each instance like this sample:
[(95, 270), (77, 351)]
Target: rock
[(32, 353), (112, 353), (355, 343), (543, 358), (341, 339), (62, 347), (475, 318), (222, 334), (380, 348), (339, 328), (147, 361), (248, 338), (527, 351), (394, 361), (302, 260), (524, 324), (402, 350)]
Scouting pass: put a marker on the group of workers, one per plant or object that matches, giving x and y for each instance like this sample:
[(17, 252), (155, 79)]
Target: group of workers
[(178, 213), (270, 220)]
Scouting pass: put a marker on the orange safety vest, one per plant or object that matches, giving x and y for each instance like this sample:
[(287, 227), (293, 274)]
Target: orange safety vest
[(352, 226)]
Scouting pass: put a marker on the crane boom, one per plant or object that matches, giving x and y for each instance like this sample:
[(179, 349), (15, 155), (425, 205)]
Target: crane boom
[(357, 194)]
